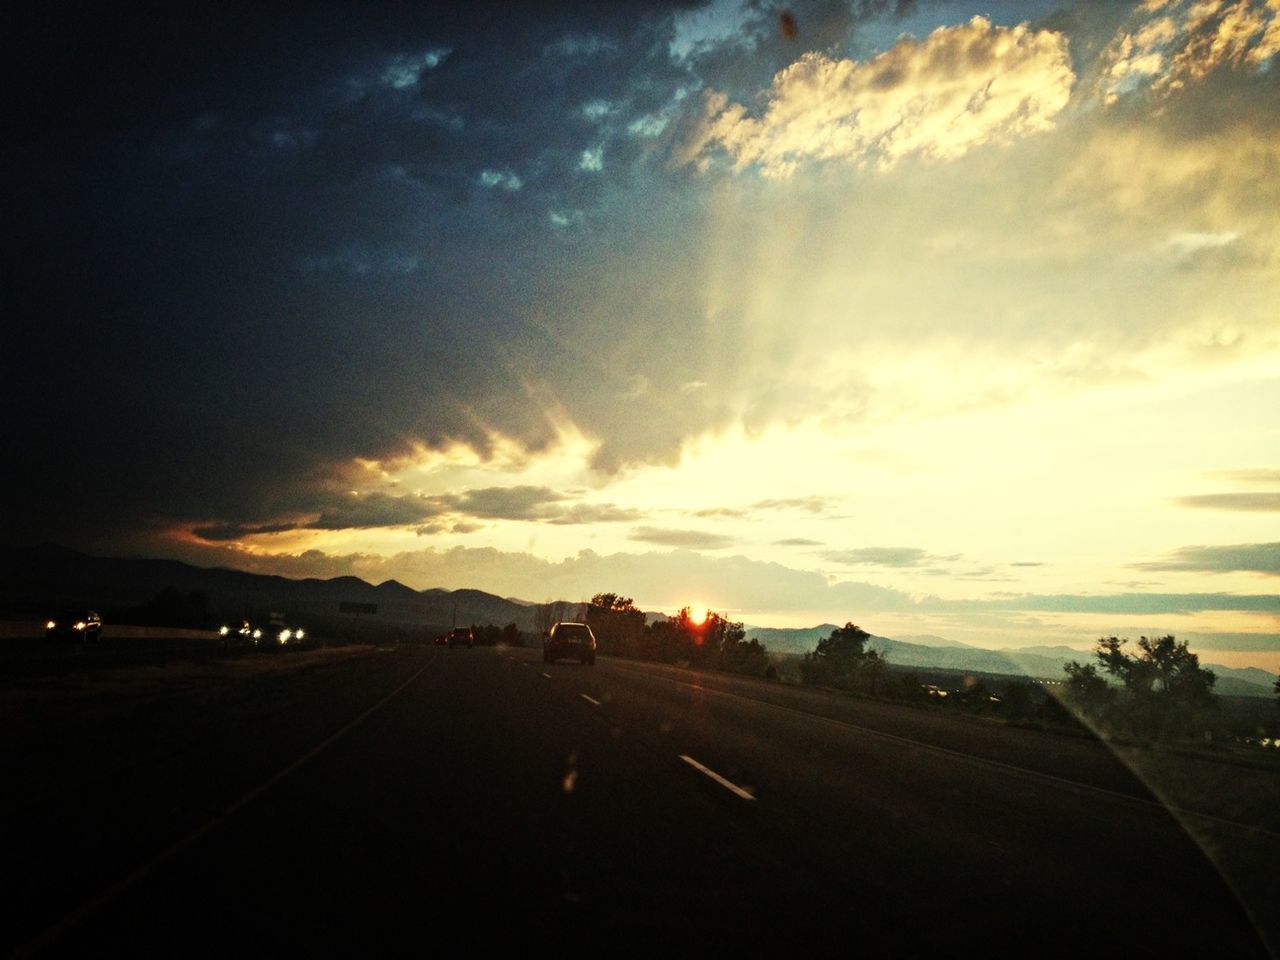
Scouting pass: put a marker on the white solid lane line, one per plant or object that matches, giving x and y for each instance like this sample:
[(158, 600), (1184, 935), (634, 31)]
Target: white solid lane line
[(727, 784), (591, 700)]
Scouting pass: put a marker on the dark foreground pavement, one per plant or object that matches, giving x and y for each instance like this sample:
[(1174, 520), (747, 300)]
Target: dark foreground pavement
[(433, 798)]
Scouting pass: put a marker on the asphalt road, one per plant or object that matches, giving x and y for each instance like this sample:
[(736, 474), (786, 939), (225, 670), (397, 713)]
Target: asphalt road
[(434, 798)]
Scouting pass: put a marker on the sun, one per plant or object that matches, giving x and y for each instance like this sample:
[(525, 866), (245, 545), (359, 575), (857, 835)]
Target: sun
[(697, 613)]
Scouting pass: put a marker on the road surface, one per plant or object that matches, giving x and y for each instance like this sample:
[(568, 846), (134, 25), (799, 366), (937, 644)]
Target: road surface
[(431, 798)]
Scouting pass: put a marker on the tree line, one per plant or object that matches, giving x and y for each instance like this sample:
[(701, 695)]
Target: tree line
[(1158, 691), (715, 643)]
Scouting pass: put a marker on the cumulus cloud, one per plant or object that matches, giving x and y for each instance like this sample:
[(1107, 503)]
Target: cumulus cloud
[(688, 539), (1168, 46), (959, 88), (1240, 557)]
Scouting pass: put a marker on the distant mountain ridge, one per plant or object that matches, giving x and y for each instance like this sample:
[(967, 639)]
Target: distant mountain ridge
[(1044, 662), (34, 579)]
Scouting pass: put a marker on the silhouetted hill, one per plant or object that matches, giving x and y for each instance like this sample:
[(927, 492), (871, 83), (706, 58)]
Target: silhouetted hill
[(36, 579)]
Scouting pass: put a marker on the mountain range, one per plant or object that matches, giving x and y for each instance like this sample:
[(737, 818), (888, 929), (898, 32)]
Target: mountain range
[(1033, 661), (34, 580)]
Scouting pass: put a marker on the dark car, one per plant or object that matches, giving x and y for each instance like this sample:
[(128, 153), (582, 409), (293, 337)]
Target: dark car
[(74, 625), (461, 636), (569, 640)]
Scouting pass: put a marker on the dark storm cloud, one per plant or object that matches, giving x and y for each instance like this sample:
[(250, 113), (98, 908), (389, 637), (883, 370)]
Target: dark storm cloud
[(259, 244), (253, 245), (375, 510), (502, 503), (531, 503), (1240, 557), (235, 531), (352, 511)]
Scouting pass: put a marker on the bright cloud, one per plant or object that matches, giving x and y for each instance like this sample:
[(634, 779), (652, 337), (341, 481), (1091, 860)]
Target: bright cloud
[(940, 97), (1168, 46)]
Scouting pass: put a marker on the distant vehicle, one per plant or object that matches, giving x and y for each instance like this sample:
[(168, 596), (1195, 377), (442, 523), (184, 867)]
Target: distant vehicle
[(81, 625), (569, 640), (280, 633), (240, 633), (461, 636), (442, 640)]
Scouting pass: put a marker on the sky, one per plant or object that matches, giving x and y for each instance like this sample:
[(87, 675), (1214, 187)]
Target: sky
[(945, 319)]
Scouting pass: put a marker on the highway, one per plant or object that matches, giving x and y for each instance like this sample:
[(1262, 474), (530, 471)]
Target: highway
[(428, 798)]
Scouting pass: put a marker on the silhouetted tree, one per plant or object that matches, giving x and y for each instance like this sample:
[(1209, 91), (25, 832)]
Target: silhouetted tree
[(1164, 685), (1019, 701), (616, 623), (842, 660), (1087, 692)]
